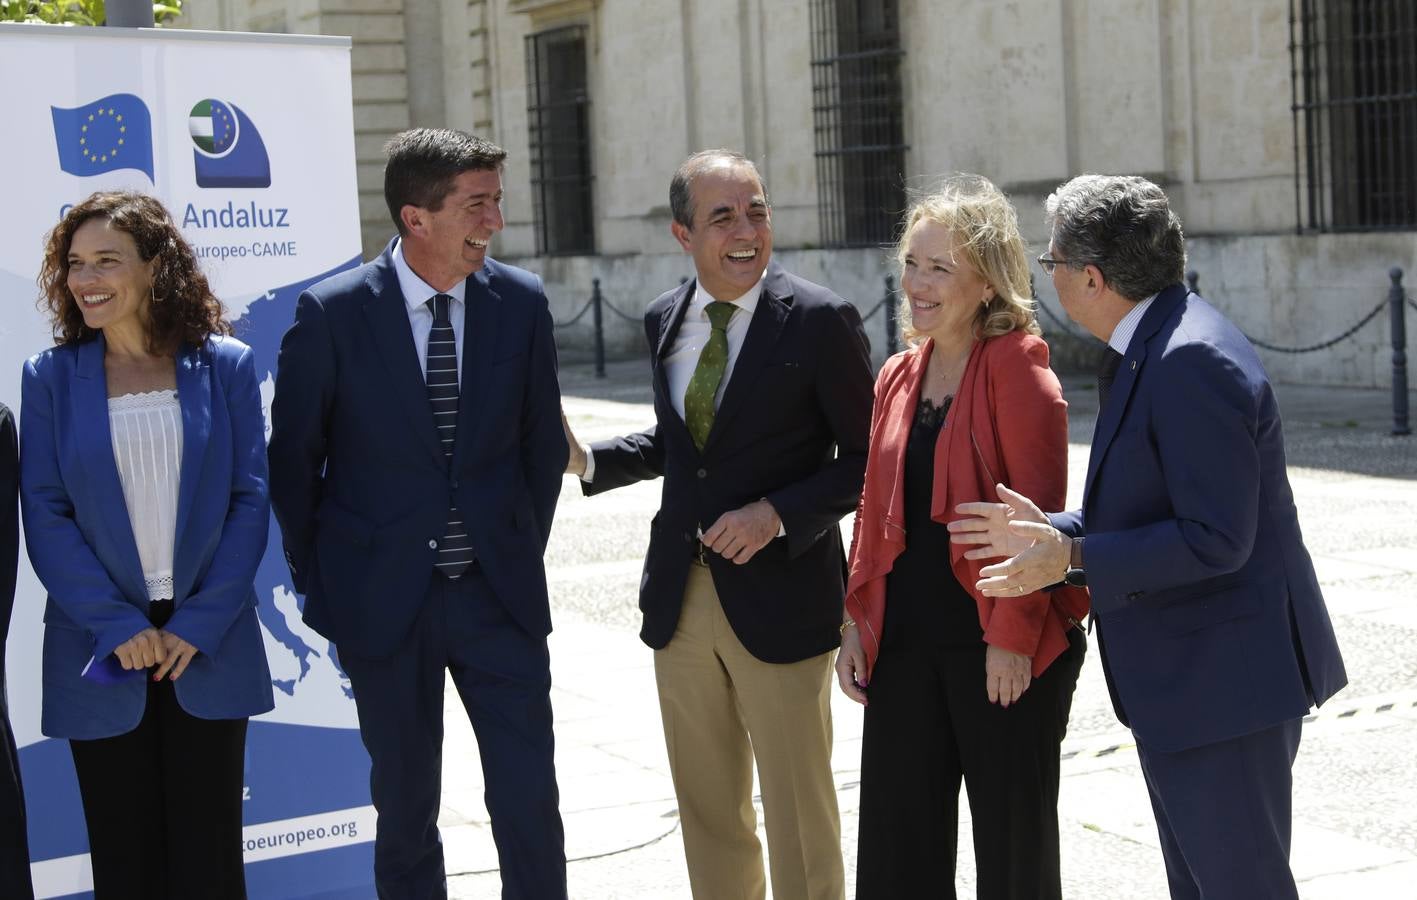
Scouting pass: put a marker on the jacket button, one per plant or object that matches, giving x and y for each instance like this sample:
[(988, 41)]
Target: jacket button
[(432, 545), (702, 473), (455, 484)]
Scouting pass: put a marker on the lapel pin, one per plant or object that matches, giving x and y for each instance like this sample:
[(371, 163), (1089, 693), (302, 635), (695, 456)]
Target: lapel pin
[(1134, 365)]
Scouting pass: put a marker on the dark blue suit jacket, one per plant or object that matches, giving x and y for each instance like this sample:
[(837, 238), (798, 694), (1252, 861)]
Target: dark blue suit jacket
[(359, 482), (82, 547), (792, 427), (1212, 624)]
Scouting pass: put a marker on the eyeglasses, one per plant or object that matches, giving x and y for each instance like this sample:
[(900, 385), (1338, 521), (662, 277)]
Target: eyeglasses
[(1049, 263)]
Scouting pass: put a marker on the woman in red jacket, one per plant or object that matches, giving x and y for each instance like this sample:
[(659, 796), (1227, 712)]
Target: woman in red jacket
[(960, 685)]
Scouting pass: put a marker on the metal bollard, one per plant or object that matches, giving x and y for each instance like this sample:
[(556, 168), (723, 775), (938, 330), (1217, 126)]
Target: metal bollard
[(1397, 298), (598, 317), (892, 326), (1193, 278)]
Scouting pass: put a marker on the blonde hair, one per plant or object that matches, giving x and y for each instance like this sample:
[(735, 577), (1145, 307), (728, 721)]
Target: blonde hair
[(985, 229)]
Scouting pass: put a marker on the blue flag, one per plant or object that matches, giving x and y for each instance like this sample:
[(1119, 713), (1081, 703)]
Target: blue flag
[(113, 132)]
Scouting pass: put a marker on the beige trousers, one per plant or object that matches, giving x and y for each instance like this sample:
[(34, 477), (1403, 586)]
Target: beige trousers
[(723, 708)]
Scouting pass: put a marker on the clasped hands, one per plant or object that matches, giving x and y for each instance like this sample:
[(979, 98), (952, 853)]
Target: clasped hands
[(155, 647)]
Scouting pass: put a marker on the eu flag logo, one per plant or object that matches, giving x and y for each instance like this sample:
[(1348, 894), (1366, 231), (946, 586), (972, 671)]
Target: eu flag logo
[(113, 132)]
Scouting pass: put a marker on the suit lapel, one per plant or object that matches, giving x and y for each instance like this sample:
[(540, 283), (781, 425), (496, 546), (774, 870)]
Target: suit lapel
[(482, 313), (1110, 419), (90, 421), (763, 331), (387, 314), (669, 325), (194, 392)]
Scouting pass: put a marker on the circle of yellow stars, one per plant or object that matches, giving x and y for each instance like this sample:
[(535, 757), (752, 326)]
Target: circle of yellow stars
[(96, 118), (222, 142)]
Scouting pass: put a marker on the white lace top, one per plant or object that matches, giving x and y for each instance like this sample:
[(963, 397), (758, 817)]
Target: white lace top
[(147, 447)]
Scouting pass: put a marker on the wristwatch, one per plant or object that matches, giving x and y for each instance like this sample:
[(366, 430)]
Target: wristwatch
[(1076, 574)]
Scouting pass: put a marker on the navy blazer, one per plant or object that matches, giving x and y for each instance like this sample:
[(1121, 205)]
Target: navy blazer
[(359, 482), (1211, 619), (81, 543), (792, 427)]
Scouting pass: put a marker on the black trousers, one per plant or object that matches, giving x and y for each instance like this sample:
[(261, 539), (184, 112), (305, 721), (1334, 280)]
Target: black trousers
[(163, 803), (929, 724)]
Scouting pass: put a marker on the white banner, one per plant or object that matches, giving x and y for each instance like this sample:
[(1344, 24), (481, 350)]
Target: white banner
[(249, 140)]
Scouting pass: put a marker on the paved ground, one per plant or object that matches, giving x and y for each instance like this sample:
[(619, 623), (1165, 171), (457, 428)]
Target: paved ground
[(1355, 779)]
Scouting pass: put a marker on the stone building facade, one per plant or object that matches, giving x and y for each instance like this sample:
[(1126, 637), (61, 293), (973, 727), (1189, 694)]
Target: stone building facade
[(848, 104)]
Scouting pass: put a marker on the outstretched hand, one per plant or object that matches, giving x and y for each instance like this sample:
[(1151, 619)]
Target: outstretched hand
[(1043, 563), (988, 525)]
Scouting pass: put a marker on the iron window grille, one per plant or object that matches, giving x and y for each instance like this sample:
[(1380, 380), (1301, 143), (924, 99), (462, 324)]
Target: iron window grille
[(558, 126), (858, 120), (1353, 73)]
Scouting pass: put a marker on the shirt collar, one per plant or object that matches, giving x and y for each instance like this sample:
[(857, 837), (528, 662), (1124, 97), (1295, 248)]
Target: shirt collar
[(748, 302), (416, 291), (1121, 337)]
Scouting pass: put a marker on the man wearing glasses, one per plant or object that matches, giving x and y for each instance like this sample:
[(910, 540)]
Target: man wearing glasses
[(1214, 636)]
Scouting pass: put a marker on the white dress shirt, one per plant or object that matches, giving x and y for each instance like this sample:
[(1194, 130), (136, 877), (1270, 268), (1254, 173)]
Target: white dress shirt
[(683, 356), (147, 449), (417, 293), (1121, 337)]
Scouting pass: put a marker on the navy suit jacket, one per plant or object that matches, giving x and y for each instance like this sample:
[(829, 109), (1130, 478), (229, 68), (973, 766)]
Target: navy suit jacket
[(1211, 620), (792, 428), (359, 482), (82, 547)]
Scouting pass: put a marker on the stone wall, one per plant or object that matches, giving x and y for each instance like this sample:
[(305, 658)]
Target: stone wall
[(1287, 290), (1192, 93)]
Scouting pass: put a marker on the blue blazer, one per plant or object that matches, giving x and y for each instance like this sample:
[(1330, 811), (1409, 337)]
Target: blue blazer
[(82, 548), (1211, 621), (359, 482)]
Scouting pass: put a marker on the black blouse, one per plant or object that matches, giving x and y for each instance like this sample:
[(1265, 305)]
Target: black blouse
[(925, 604)]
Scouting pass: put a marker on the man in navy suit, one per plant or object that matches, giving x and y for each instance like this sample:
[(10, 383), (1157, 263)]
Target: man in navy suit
[(762, 396), (1215, 638), (416, 454)]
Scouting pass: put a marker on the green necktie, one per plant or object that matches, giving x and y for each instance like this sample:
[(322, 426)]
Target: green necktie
[(703, 386)]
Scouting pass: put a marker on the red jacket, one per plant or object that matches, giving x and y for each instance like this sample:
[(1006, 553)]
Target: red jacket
[(1008, 423)]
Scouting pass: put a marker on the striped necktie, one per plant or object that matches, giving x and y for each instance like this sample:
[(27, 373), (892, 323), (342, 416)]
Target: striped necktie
[(455, 549)]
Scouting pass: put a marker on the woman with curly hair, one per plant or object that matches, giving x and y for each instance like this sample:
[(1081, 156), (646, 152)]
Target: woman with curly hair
[(958, 686), (143, 476)]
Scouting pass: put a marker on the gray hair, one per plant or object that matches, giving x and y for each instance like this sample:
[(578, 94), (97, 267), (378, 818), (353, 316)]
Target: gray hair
[(1123, 225), (681, 201)]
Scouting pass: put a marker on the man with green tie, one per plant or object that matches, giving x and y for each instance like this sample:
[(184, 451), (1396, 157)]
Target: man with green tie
[(762, 395)]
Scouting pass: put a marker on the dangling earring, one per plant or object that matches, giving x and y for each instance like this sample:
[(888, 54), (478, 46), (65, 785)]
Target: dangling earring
[(152, 295)]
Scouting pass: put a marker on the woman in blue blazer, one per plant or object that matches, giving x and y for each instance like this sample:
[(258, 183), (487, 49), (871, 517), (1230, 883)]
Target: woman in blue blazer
[(143, 484)]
